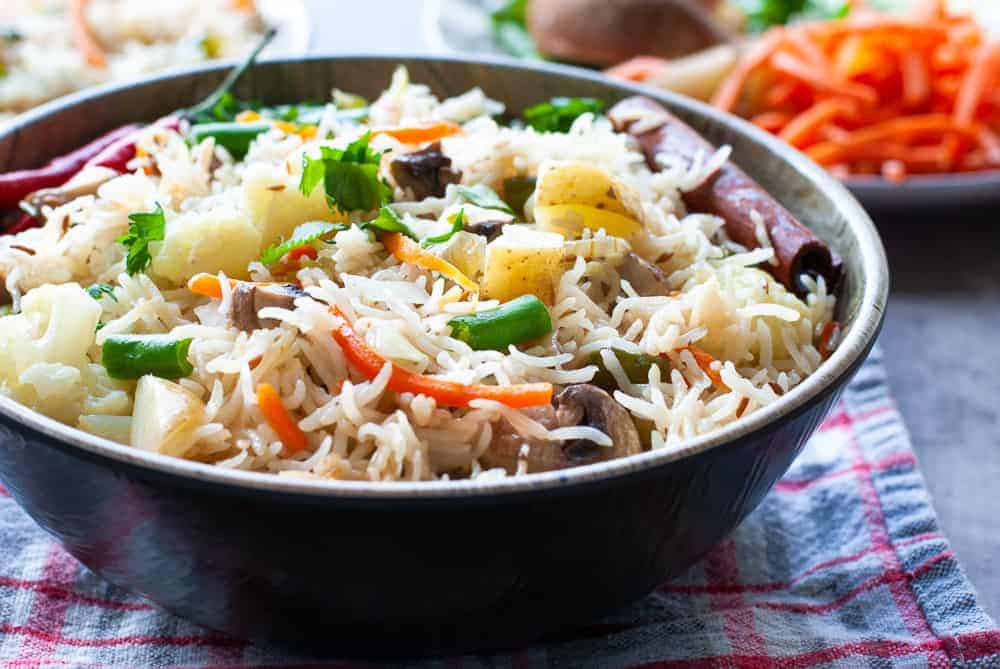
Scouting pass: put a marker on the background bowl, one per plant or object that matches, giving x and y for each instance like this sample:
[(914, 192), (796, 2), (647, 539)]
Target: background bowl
[(431, 566)]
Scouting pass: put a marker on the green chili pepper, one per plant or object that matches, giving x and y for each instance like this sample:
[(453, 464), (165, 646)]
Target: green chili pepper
[(519, 320), (133, 356), (516, 191), (235, 137), (636, 367)]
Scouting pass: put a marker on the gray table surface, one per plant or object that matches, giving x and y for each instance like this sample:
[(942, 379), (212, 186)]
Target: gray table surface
[(940, 335)]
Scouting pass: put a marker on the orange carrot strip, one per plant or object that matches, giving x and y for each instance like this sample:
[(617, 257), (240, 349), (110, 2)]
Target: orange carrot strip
[(705, 360), (800, 130), (444, 392), (406, 250), (277, 416), (916, 79), (729, 91), (82, 36), (209, 286), (794, 67), (420, 134), (985, 71), (772, 121)]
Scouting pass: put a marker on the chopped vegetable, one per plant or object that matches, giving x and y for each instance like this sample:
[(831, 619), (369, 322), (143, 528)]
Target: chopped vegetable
[(558, 114), (165, 417), (516, 191), (134, 356), (510, 30), (277, 416), (406, 250), (83, 37), (98, 290), (234, 137), (302, 237), (444, 392), (523, 261), (635, 365), (704, 361), (570, 220), (516, 321), (210, 45), (387, 221), (483, 196), (876, 94), (207, 285), (350, 176), (420, 134), (143, 228), (457, 225), (571, 197)]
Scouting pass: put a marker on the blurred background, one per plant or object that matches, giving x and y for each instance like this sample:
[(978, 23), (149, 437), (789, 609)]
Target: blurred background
[(932, 187)]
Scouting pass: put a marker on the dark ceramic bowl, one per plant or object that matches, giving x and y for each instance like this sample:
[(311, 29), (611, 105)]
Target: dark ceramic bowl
[(421, 566)]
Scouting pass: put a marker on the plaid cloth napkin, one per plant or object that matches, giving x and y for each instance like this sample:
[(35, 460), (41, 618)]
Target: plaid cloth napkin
[(843, 565)]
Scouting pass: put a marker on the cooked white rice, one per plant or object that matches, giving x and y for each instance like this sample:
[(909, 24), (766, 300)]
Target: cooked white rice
[(221, 214), (38, 61)]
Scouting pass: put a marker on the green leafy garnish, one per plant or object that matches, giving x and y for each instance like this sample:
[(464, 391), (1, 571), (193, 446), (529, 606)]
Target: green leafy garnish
[(558, 114), (98, 290), (388, 221), (221, 97), (457, 225), (762, 14), (304, 234), (350, 176), (483, 196), (510, 30), (143, 228)]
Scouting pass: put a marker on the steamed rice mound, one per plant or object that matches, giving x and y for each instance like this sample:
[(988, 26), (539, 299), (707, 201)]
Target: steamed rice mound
[(222, 214)]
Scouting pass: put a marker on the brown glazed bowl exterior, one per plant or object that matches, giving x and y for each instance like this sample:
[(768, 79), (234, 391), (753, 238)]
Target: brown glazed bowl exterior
[(421, 567)]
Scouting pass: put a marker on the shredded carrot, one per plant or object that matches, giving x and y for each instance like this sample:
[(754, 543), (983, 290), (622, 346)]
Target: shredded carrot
[(299, 252), (277, 416), (705, 360), (209, 286), (444, 392), (83, 37), (420, 134), (639, 68), (406, 250), (875, 93)]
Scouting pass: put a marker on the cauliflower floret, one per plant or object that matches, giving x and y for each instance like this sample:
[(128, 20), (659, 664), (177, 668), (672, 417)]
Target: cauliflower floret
[(222, 239)]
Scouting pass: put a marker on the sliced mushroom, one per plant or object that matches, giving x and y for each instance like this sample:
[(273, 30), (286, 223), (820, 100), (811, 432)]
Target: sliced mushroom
[(488, 229), (579, 404), (426, 172), (646, 278), (250, 298)]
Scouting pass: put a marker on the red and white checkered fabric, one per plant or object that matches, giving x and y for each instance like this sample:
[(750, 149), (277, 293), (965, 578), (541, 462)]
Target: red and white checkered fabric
[(843, 565)]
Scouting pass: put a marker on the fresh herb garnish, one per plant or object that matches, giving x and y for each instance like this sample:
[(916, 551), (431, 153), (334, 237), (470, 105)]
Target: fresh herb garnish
[(98, 290), (143, 228), (762, 14), (304, 234), (457, 225), (510, 30), (483, 196), (388, 221), (217, 99), (558, 114), (350, 176)]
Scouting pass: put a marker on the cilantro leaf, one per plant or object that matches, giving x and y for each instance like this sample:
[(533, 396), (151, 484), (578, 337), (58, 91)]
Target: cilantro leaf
[(483, 196), (762, 14), (510, 30), (388, 221), (457, 225), (558, 114), (143, 228), (98, 290), (304, 234), (350, 176)]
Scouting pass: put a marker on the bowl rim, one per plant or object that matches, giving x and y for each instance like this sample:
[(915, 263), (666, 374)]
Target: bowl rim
[(845, 359)]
